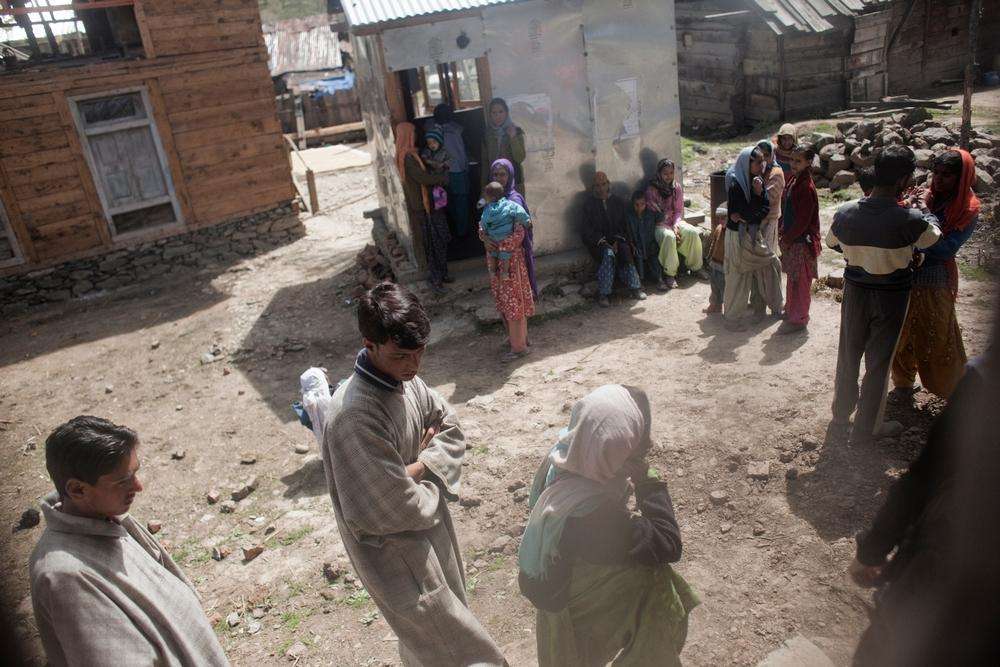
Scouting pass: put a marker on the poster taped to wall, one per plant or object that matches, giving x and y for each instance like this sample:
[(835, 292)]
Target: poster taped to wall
[(533, 114), (630, 123)]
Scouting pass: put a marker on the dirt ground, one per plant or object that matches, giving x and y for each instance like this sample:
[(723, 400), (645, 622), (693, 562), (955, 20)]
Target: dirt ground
[(768, 564)]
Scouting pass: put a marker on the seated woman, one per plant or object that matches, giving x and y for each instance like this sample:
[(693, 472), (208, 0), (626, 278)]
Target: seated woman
[(607, 236), (665, 197), (599, 575), (642, 225)]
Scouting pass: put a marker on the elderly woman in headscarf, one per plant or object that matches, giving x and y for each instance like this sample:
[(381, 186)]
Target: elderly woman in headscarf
[(598, 574), (502, 139), (665, 197), (784, 145), (774, 186), (502, 172), (432, 223), (931, 340), (608, 237), (747, 258)]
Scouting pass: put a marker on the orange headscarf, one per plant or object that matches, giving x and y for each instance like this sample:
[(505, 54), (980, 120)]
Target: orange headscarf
[(406, 144), (965, 206)]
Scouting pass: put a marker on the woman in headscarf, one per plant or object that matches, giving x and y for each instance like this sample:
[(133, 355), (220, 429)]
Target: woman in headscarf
[(502, 139), (774, 186), (746, 258), (665, 197), (598, 574), (432, 223), (502, 172), (800, 240), (784, 144), (931, 340)]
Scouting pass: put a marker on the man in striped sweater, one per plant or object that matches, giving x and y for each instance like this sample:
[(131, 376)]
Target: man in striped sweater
[(878, 238)]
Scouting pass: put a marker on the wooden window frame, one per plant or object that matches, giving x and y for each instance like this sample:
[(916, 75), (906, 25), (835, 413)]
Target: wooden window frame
[(161, 154), (8, 229)]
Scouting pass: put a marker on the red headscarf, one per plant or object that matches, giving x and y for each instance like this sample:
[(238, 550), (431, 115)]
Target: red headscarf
[(960, 213), (965, 206)]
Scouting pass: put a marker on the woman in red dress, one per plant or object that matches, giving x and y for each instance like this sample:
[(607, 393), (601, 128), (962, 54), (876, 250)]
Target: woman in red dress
[(512, 296)]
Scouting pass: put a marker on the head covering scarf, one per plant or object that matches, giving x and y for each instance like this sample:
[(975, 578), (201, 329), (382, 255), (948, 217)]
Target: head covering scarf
[(510, 193), (664, 188), (781, 156), (584, 469), (406, 144), (740, 172), (960, 213), (765, 144), (499, 130), (436, 135)]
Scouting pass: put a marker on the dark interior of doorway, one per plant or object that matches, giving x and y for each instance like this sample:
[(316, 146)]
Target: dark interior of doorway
[(468, 114)]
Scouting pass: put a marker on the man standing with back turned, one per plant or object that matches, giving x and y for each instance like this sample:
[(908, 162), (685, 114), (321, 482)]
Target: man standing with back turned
[(104, 591), (393, 453), (878, 238)]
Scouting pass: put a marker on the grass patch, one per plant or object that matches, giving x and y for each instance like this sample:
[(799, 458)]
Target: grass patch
[(288, 539), (482, 450), (471, 584), (358, 599), (292, 619), (826, 197), (496, 564), (285, 645), (973, 272), (824, 128), (689, 152)]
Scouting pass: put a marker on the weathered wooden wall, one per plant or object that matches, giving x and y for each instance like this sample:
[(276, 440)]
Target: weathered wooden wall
[(213, 105), (815, 70), (989, 35), (325, 111), (709, 57)]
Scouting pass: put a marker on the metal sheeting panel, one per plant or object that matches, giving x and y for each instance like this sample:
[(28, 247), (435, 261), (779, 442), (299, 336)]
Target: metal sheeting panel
[(631, 60), (537, 65), (373, 12), (434, 43), (293, 46)]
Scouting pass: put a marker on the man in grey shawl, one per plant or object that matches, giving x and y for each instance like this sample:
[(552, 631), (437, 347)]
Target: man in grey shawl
[(392, 452), (103, 589)]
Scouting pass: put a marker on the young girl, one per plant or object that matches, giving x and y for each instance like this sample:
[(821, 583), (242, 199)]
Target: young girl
[(784, 144), (437, 161), (799, 240), (500, 215), (716, 261)]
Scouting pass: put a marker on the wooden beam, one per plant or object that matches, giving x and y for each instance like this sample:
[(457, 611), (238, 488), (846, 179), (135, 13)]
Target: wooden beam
[(142, 21), (166, 132), (72, 7), (974, 12)]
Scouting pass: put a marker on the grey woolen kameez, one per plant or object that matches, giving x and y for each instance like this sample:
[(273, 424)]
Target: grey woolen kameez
[(397, 532)]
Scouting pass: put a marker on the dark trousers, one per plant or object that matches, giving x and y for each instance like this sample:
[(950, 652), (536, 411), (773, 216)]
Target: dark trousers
[(870, 323)]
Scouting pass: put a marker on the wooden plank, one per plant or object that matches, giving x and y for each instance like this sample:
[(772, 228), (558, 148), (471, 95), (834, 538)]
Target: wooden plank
[(79, 160), (752, 67), (221, 77), (65, 198), (215, 209), (39, 101), (168, 7), (239, 166), (248, 26), (186, 45), (197, 138), (54, 214), (26, 183), (222, 16), (36, 159), (264, 176), (269, 144), (142, 22), (703, 89), (242, 112), (166, 133), (14, 218), (38, 143), (65, 236), (215, 96), (29, 128)]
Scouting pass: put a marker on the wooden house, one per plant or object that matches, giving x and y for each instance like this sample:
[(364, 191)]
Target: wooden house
[(591, 83), (131, 122), (745, 62)]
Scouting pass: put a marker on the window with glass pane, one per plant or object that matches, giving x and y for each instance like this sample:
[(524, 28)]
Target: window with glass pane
[(110, 109), (468, 81)]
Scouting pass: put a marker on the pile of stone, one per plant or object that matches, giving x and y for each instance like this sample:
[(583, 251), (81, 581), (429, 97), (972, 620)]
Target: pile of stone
[(372, 267), (839, 157)]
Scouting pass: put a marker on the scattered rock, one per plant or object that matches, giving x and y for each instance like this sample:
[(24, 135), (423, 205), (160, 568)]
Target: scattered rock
[(233, 619), (296, 651), (521, 495), (227, 507), (258, 612), (862, 157), (253, 628), (29, 519), (501, 544), (843, 179), (988, 163), (220, 553), (700, 507), (937, 135), (178, 408), (914, 116), (758, 529), (248, 487), (725, 527), (786, 456), (514, 486), (792, 473), (301, 448), (154, 526), (332, 572), (759, 469), (213, 497), (984, 182), (718, 497), (470, 501), (830, 150), (248, 459), (924, 157), (835, 279), (211, 357), (809, 445), (178, 454), (821, 140), (838, 162), (249, 553), (109, 389), (155, 345)]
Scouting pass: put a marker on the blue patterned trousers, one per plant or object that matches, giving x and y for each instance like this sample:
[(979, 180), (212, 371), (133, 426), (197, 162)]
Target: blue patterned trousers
[(606, 273)]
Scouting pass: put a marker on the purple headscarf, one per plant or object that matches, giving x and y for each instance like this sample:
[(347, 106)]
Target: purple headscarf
[(516, 197)]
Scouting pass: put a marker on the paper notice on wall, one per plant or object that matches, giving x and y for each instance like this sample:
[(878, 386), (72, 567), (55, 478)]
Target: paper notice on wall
[(630, 122), (533, 114)]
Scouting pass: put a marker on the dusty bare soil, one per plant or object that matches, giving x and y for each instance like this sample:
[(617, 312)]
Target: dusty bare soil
[(769, 563)]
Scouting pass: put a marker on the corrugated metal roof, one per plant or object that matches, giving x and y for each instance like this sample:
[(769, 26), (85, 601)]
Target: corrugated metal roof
[(302, 45), (810, 15), (367, 13)]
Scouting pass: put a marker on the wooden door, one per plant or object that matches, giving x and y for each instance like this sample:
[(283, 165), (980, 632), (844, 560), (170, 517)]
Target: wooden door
[(867, 66)]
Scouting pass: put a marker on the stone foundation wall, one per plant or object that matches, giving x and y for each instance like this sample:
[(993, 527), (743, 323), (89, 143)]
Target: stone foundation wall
[(218, 245)]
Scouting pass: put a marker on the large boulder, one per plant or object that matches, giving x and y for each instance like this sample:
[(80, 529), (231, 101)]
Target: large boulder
[(866, 130), (821, 139), (988, 163), (918, 142), (838, 163), (937, 135), (924, 157), (888, 138), (846, 127), (843, 179), (850, 143), (830, 150), (984, 182), (862, 156), (979, 142), (914, 116)]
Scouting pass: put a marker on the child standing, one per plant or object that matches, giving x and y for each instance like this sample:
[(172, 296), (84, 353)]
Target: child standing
[(500, 215), (438, 161), (716, 262), (799, 240)]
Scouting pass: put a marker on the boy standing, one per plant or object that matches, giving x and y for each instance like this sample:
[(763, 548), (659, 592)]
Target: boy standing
[(392, 455), (877, 238)]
